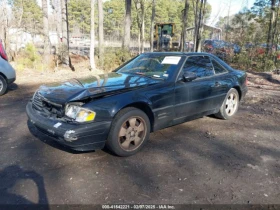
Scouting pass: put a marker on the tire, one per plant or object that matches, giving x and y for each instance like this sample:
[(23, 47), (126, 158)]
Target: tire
[(3, 85), (229, 106), (129, 131)]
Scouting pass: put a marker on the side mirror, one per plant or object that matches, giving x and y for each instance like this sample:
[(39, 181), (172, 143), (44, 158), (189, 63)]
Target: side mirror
[(189, 76)]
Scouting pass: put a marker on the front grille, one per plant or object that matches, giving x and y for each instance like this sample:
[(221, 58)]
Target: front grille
[(46, 107), (37, 101)]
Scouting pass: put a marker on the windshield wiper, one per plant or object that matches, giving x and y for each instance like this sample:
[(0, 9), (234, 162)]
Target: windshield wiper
[(145, 75), (140, 73), (149, 76)]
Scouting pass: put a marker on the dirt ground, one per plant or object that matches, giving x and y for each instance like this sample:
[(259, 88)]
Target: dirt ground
[(205, 161)]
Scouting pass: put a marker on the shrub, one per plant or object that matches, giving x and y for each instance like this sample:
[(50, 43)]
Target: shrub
[(113, 57), (242, 60), (29, 58), (248, 60), (269, 65)]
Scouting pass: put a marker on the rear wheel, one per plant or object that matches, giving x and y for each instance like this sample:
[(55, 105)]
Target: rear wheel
[(229, 106), (129, 131), (3, 85)]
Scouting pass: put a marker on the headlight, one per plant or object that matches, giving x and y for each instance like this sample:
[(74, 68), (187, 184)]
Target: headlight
[(79, 114)]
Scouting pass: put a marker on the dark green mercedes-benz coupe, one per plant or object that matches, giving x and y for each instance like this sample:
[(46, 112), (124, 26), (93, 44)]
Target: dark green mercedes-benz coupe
[(150, 92)]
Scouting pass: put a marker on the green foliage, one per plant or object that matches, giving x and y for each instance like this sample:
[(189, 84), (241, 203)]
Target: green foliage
[(28, 14), (166, 12), (242, 60), (249, 25), (79, 15), (252, 26), (31, 52), (114, 10), (260, 7), (250, 60), (113, 58), (30, 58), (269, 65), (114, 17)]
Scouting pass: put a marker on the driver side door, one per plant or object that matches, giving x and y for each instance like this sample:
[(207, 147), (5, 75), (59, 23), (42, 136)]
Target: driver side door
[(194, 97)]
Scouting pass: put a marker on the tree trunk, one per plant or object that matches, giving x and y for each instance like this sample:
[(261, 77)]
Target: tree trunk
[(227, 25), (141, 23), (127, 25), (142, 26), (195, 23), (271, 24), (198, 38), (65, 35), (201, 26), (182, 40), (92, 37), (57, 12), (101, 32), (275, 34), (139, 41), (275, 25), (55, 4), (46, 31), (152, 25), (184, 33)]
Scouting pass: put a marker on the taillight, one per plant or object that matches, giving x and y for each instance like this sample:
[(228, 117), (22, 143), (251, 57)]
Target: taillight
[(2, 52)]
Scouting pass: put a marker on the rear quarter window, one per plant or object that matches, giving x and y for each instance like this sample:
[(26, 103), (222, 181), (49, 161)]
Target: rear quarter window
[(219, 69)]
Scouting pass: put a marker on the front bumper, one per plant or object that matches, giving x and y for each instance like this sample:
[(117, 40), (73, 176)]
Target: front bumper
[(79, 137), (10, 81)]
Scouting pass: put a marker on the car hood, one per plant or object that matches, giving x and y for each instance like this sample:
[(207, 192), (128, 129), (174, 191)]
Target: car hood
[(94, 86)]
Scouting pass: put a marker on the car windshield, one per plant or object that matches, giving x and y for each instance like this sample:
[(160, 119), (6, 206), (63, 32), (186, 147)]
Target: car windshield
[(152, 65)]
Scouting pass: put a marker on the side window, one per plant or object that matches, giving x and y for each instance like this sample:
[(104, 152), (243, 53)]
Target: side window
[(201, 65), (218, 68)]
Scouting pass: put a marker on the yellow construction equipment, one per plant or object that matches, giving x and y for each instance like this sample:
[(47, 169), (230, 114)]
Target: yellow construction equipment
[(165, 37)]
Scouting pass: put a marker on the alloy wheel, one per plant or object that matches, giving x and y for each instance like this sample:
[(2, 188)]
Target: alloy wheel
[(231, 104), (132, 133)]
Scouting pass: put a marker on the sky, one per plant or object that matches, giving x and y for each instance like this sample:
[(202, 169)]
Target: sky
[(221, 8)]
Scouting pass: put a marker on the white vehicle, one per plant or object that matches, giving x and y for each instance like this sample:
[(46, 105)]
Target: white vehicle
[(7, 72)]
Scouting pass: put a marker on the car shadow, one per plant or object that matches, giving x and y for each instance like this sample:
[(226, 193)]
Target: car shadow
[(9, 178), (13, 87), (267, 77)]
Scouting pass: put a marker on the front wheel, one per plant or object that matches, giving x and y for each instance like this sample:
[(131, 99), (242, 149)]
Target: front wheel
[(3, 85), (229, 106), (129, 131)]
